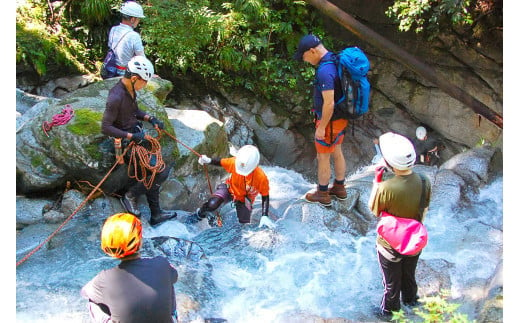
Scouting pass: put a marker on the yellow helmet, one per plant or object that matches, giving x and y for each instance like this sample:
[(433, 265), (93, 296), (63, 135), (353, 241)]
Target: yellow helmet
[(121, 235)]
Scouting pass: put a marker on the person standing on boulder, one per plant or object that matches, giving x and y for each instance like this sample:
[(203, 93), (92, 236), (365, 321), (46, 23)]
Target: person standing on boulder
[(329, 134), (122, 119), (137, 289), (247, 180), (123, 39), (400, 196)]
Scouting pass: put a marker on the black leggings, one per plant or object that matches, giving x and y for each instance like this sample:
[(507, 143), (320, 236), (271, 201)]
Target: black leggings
[(398, 280)]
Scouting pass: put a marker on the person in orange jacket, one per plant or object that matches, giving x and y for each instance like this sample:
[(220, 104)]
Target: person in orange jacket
[(247, 180)]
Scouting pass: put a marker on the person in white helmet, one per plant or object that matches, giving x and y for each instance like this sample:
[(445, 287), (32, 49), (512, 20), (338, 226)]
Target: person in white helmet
[(247, 180), (122, 119), (426, 148), (123, 39), (400, 196)]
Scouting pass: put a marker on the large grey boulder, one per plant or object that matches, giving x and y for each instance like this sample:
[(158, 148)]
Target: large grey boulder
[(77, 150)]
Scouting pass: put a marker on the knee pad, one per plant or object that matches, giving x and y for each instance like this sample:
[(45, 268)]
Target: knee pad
[(212, 204)]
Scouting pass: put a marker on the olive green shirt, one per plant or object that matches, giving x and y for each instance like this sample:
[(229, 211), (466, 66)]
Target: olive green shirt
[(401, 196)]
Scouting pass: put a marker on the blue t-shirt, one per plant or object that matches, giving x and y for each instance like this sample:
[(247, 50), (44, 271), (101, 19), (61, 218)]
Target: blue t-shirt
[(326, 78)]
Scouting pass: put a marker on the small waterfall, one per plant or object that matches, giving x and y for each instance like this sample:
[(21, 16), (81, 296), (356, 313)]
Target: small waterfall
[(251, 274)]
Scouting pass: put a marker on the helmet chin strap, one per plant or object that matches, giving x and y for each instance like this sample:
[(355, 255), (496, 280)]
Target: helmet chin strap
[(133, 89)]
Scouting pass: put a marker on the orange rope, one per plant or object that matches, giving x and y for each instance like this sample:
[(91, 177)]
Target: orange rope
[(73, 213), (142, 158), (219, 218)]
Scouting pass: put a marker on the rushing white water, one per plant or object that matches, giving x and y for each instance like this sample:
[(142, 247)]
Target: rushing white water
[(256, 274)]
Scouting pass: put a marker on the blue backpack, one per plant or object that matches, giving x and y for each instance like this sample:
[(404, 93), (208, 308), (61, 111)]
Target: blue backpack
[(353, 66)]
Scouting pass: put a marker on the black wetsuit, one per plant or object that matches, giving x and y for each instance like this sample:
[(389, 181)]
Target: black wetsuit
[(122, 115)]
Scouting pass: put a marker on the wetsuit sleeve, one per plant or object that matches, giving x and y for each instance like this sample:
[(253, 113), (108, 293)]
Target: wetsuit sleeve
[(174, 274), (265, 205), (140, 115), (92, 290), (264, 184), (109, 117), (215, 161)]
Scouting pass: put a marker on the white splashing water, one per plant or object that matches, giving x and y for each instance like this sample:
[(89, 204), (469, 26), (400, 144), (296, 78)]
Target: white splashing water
[(298, 268)]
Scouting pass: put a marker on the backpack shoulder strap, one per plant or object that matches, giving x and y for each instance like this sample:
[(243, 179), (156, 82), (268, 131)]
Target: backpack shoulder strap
[(422, 203), (120, 39)]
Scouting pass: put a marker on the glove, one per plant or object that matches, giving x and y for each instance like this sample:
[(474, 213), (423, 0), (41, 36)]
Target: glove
[(380, 170), (156, 123), (265, 221), (204, 160), (138, 137)]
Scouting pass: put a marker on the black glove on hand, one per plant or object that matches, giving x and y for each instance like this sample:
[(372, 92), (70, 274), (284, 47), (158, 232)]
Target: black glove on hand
[(138, 137), (156, 122)]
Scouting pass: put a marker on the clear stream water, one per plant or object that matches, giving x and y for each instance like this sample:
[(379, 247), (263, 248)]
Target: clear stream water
[(260, 275)]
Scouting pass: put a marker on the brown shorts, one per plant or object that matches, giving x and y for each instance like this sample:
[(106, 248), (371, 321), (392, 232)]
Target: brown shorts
[(331, 141)]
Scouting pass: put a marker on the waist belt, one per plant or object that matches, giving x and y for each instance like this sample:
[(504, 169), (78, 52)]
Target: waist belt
[(120, 67), (324, 143)]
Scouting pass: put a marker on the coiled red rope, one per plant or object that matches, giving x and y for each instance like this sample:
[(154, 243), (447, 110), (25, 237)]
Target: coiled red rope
[(58, 119)]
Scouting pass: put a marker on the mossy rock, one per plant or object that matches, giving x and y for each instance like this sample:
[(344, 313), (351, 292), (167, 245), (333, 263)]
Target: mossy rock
[(77, 150)]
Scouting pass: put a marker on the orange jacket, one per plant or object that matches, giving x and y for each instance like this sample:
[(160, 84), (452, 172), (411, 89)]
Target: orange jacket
[(242, 186)]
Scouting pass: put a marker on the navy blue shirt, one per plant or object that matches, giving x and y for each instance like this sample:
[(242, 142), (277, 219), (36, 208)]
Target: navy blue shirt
[(326, 78)]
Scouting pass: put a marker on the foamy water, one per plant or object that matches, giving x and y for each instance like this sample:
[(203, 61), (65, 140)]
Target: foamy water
[(264, 275)]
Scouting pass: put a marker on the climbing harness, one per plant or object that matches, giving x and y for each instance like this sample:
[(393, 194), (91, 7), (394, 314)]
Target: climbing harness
[(118, 147), (58, 119)]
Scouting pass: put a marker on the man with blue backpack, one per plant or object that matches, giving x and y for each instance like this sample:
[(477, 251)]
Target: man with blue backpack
[(329, 133), (341, 93)]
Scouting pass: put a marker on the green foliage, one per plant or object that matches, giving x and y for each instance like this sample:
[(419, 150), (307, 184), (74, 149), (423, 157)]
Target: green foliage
[(89, 21), (235, 44), (39, 44), (433, 16), (435, 309), (427, 14)]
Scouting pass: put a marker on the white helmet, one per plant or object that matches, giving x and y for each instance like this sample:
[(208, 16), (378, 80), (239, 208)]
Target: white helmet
[(420, 133), (141, 66), (397, 150), (132, 9), (247, 159)]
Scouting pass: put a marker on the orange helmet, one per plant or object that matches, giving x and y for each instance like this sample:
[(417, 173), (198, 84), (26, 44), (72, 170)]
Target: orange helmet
[(121, 235)]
